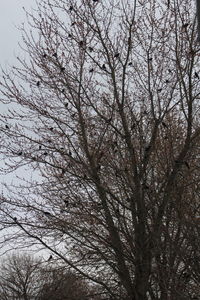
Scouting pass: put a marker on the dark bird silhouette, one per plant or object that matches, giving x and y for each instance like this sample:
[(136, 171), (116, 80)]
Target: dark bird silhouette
[(66, 104), (62, 69), (71, 8), (45, 153), (104, 67), (15, 219), (130, 64), (167, 81), (90, 49), (70, 154), (46, 213), (6, 126), (169, 70), (150, 59), (187, 165), (69, 35), (51, 128), (19, 153), (73, 23), (81, 43), (185, 25), (164, 124), (159, 90), (116, 55), (38, 83), (44, 55), (196, 75), (50, 257), (63, 90), (55, 54), (66, 203), (147, 148), (91, 70), (40, 147)]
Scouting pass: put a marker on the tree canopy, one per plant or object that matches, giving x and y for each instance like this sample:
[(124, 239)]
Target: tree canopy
[(104, 108)]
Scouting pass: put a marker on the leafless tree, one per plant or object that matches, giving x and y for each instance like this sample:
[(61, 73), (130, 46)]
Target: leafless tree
[(24, 277), (19, 279), (104, 111)]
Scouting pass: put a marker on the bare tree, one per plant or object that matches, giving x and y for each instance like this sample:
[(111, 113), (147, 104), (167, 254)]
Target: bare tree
[(24, 277), (20, 278), (105, 110)]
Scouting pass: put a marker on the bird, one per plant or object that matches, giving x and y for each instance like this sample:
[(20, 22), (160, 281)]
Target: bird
[(19, 153), (62, 69), (196, 75), (46, 213), (40, 147), (81, 43), (130, 63), (15, 219), (38, 83), (44, 55), (150, 59), (45, 153), (63, 90), (90, 49), (55, 54), (51, 128), (91, 70), (66, 104), (159, 90), (69, 35), (7, 127), (71, 8), (66, 202), (185, 25), (147, 148), (164, 124), (104, 67), (50, 257), (187, 165), (116, 55)]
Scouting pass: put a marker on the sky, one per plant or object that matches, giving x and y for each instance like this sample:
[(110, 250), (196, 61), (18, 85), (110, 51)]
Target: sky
[(11, 16)]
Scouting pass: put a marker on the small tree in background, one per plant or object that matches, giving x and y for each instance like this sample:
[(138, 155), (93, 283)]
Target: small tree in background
[(24, 277), (105, 109)]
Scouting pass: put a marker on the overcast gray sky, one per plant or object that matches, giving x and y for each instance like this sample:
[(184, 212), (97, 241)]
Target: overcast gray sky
[(11, 15)]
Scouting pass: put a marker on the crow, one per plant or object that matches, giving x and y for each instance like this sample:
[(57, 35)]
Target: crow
[(116, 55), (91, 70), (90, 49), (130, 64), (62, 69), (104, 67), (71, 8), (46, 213), (55, 54), (19, 153), (50, 257), (164, 125), (38, 83), (66, 104), (196, 75), (6, 126), (185, 25)]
